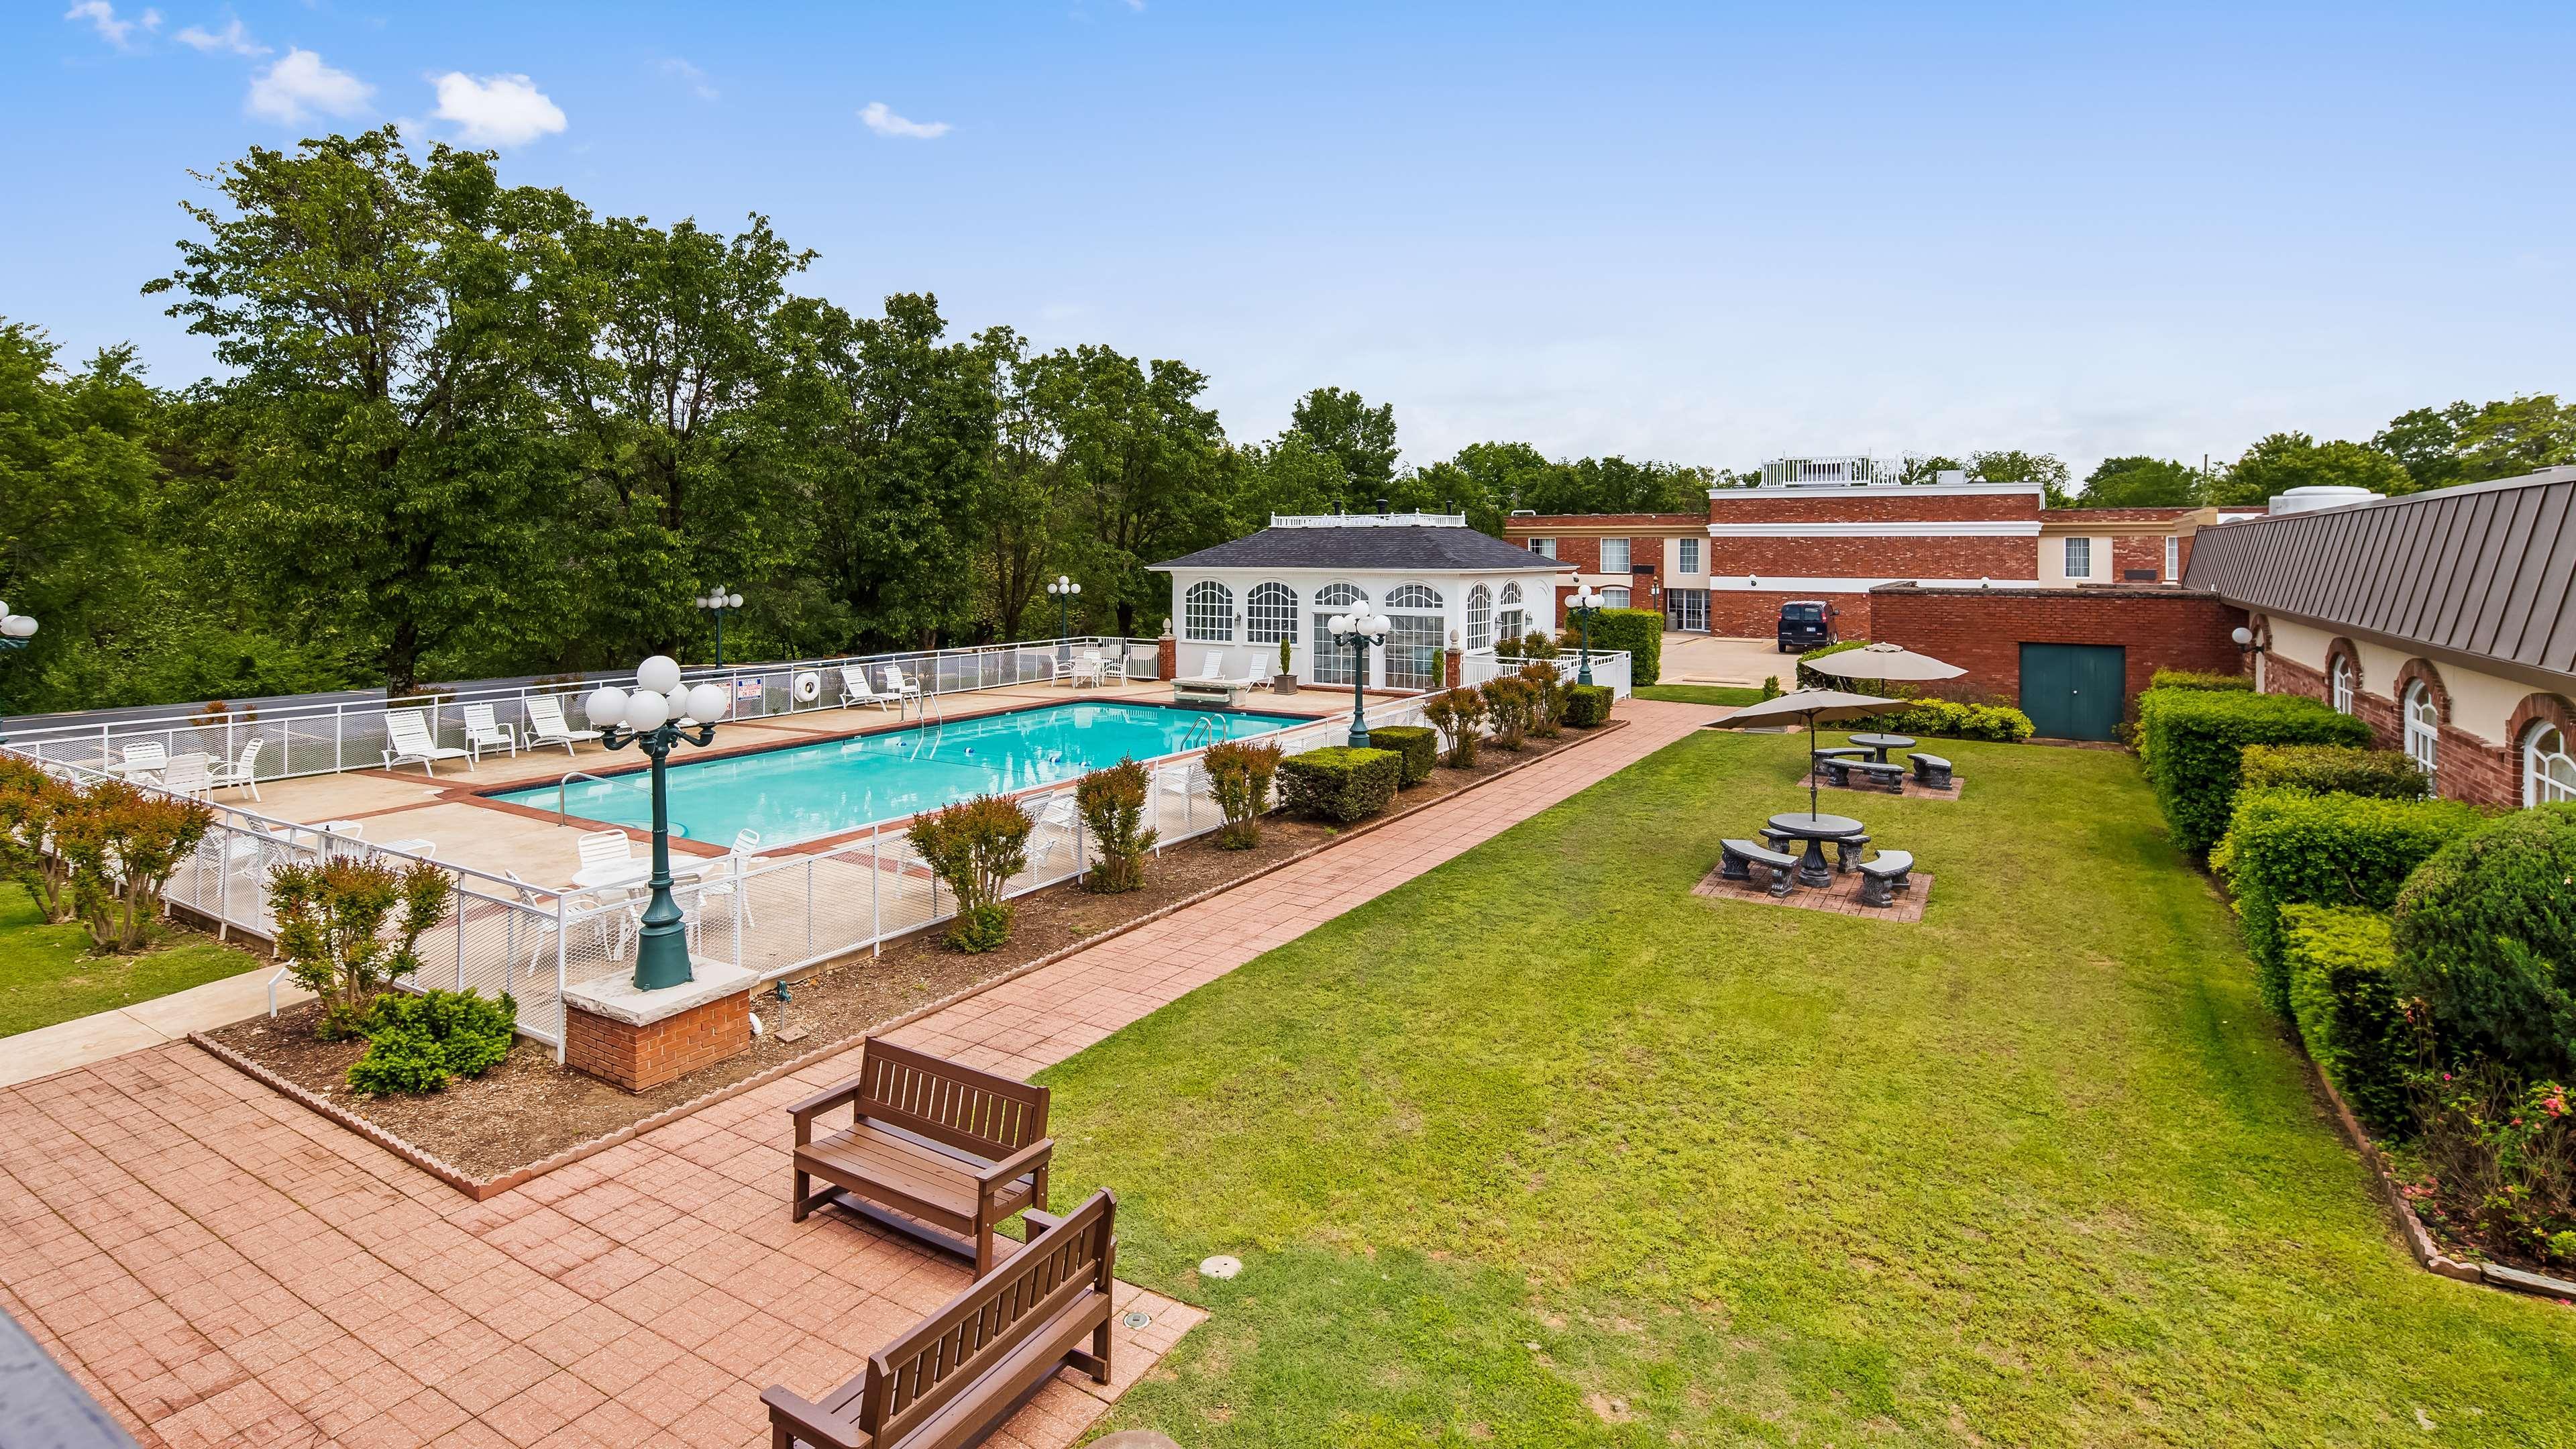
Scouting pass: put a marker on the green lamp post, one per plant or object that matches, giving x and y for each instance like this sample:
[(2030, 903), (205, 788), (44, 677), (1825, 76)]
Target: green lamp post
[(1358, 631), (15, 631), (655, 718), (1065, 591), (1586, 603), (716, 603)]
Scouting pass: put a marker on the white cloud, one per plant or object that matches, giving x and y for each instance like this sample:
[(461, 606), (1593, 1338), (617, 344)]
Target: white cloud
[(102, 16), (232, 39), (300, 84), (887, 123), (497, 110), (690, 76)]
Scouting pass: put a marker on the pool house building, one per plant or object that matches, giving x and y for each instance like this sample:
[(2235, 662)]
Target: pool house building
[(1450, 592)]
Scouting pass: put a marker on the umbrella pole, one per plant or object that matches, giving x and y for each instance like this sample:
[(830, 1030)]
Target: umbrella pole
[(1811, 764)]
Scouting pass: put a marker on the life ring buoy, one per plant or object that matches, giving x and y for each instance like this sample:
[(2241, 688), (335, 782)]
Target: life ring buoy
[(809, 687)]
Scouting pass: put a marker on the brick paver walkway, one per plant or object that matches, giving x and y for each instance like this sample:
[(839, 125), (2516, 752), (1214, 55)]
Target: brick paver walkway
[(219, 1266)]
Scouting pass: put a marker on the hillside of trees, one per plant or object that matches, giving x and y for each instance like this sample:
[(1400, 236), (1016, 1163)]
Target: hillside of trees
[(468, 429)]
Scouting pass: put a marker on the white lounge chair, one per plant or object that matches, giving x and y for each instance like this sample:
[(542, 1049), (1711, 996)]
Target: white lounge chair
[(855, 690), (1210, 686), (546, 724), (409, 739), (483, 732), (241, 774), (188, 775)]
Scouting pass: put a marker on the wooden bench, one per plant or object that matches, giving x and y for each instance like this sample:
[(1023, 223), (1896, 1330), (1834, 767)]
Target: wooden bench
[(1882, 880), (1740, 855), (954, 1378), (952, 1151), (1931, 771)]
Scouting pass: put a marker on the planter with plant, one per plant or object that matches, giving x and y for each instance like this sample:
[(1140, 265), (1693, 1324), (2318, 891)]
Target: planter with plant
[(1239, 773), (1112, 802), (1285, 681), (975, 846)]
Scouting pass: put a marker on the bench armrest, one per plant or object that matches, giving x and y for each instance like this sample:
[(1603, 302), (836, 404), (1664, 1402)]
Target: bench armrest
[(812, 1423), (825, 1100), (1027, 1159)]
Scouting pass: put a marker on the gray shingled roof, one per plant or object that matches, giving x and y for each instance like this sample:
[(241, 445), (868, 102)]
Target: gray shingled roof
[(2486, 570), (1416, 548)]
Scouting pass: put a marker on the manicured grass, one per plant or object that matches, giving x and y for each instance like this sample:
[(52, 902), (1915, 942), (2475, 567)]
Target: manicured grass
[(47, 974), (1699, 693), (1542, 1150)]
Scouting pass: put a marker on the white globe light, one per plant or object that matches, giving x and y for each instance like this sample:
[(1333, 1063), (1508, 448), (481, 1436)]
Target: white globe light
[(4, 608), (707, 703), (2242, 635), (660, 674), (1339, 623), (678, 704), (733, 601), (606, 706), (17, 626), (647, 711)]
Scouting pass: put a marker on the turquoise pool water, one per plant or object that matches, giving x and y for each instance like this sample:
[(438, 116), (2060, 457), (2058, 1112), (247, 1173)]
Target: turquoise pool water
[(814, 790)]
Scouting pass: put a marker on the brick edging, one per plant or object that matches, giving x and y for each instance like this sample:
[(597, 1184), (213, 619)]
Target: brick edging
[(481, 1188), (2428, 1255)]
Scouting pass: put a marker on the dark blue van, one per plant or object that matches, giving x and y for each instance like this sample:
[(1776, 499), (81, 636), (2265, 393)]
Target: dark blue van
[(1806, 624)]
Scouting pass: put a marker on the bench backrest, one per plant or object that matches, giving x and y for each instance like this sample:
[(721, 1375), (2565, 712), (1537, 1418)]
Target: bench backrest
[(970, 1110), (919, 1373)]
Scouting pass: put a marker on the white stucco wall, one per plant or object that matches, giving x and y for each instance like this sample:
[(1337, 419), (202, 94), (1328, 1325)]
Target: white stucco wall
[(1237, 651), (2481, 704)]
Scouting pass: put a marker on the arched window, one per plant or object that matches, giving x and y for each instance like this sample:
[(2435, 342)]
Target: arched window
[(1414, 645), (1271, 613), (2548, 771), (1332, 662), (1480, 617), (2342, 683), (1513, 623), (1207, 615), (2423, 725)]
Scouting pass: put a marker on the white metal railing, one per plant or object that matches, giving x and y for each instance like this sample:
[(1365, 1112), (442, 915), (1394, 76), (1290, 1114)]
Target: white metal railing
[(1609, 667), (327, 737)]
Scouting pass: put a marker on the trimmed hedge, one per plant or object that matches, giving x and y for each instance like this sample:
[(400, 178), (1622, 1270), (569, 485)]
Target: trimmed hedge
[(1418, 744), (1587, 706), (2192, 741), (2331, 769), (2344, 998), (1951, 720), (2486, 935), (1339, 783), (1640, 632), (2289, 847), (2196, 679)]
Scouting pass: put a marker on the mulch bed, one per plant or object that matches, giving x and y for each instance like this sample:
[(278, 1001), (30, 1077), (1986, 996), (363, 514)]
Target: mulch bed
[(528, 1109)]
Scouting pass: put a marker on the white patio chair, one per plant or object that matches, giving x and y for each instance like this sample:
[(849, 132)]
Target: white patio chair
[(483, 732), (605, 847), (900, 688), (730, 879), (188, 775), (575, 906), (1056, 824), (409, 739), (855, 690), (546, 724), (1090, 668), (137, 761), (241, 774)]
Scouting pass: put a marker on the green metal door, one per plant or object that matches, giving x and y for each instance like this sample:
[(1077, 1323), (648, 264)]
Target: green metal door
[(2074, 691)]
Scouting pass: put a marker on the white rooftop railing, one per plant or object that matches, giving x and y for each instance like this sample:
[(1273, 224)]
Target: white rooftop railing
[(1368, 520)]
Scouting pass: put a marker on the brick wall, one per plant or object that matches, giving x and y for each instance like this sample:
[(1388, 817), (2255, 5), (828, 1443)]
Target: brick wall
[(2465, 767), (2137, 551), (639, 1058), (1842, 556), (1828, 506), (1982, 631)]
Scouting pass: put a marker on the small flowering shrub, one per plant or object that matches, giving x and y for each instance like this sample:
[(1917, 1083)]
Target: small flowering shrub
[(975, 846), (350, 928), (30, 802), (1112, 802), (1240, 772), (122, 846), (1547, 699), (1508, 703), (1456, 714), (2498, 1161)]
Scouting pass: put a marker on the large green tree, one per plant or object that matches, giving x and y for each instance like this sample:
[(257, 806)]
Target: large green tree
[(2140, 482), (2014, 465), (1144, 468), (2284, 461), (1360, 437)]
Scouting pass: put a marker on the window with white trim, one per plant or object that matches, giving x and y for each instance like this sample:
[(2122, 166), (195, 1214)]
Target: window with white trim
[(2079, 558), (1614, 555), (1688, 562), (1333, 661), (1207, 613), (2173, 557), (2423, 726), (2548, 771), (1480, 617), (1270, 613), (1543, 547), (1614, 598), (2340, 681), (1512, 625), (1415, 641)]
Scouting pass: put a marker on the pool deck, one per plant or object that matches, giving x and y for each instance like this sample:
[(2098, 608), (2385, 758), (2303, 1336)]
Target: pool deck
[(493, 836)]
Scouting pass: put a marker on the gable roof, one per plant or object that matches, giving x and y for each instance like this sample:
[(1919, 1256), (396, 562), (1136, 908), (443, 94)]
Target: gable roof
[(2486, 570), (1402, 549)]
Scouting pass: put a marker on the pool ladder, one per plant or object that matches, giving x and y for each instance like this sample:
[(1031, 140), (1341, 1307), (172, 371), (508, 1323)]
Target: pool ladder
[(564, 784), (1206, 730)]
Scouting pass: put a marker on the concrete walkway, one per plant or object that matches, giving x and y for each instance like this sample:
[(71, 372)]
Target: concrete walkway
[(219, 1266), (98, 1037)]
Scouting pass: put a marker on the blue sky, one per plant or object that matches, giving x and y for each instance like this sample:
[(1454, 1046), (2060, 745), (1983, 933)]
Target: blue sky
[(1705, 233)]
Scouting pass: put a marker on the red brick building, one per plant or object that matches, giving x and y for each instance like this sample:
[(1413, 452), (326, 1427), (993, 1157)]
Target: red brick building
[(2073, 659)]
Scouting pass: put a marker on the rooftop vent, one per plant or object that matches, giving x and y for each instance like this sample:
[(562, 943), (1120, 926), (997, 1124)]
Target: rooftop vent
[(2308, 500)]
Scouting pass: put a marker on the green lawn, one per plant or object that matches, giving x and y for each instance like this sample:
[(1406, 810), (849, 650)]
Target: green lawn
[(47, 974), (1699, 693), (1542, 1150)]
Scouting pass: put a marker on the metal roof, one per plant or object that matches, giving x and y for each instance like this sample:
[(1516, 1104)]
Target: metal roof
[(1415, 547), (2486, 570)]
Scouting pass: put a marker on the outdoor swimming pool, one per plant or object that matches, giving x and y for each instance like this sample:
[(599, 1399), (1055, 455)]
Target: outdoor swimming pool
[(808, 791)]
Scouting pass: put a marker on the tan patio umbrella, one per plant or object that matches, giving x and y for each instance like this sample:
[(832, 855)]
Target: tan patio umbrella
[(1811, 705), (1888, 663)]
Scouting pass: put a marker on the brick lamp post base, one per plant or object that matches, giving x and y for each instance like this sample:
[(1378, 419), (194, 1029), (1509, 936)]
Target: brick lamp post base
[(637, 1040)]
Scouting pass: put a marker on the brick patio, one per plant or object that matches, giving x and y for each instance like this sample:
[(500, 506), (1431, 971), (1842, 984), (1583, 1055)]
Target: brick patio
[(220, 1266)]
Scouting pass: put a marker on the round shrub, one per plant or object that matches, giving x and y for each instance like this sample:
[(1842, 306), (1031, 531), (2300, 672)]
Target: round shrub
[(2486, 935)]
